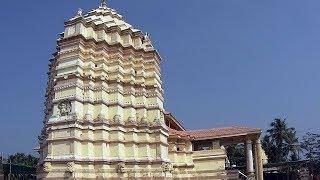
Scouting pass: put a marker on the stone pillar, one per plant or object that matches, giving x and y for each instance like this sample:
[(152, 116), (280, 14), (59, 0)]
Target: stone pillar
[(255, 156), (249, 159), (259, 163)]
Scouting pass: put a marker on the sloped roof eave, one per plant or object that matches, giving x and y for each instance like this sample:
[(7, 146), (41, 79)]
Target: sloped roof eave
[(216, 133), (225, 136), (175, 120)]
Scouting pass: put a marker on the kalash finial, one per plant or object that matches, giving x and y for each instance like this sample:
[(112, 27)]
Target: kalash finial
[(103, 3), (79, 12)]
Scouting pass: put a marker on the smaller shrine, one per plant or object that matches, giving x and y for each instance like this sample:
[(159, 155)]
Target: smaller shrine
[(203, 149)]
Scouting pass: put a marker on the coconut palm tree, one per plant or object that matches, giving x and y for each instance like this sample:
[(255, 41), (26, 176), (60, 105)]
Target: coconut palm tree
[(281, 141)]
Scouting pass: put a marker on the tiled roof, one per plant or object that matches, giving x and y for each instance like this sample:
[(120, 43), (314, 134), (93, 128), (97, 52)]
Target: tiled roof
[(173, 132), (215, 132)]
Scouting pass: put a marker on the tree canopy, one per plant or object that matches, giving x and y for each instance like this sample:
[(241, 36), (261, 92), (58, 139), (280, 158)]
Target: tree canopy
[(23, 159), (311, 146), (236, 154), (281, 142)]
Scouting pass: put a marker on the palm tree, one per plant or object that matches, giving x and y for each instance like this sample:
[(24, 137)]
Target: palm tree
[(293, 145), (270, 149), (281, 141)]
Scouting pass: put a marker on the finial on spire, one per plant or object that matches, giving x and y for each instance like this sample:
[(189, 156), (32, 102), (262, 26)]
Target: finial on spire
[(103, 3), (79, 12)]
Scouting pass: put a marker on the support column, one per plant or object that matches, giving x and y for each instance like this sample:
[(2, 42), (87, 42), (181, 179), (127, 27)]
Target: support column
[(259, 163), (249, 159), (255, 157)]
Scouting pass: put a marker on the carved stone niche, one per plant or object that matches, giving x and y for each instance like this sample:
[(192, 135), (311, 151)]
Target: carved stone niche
[(71, 167), (64, 107), (131, 121), (167, 167), (120, 167), (117, 119)]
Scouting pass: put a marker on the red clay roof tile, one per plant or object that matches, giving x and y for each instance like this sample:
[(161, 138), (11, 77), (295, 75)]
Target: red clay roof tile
[(215, 132)]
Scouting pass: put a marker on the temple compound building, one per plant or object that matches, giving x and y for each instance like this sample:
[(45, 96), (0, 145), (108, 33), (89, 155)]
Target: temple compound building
[(104, 112)]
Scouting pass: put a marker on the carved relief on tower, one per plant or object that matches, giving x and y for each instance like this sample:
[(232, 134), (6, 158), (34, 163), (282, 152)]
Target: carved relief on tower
[(47, 167), (117, 119), (120, 167), (71, 30), (131, 121), (167, 167), (64, 107), (70, 167)]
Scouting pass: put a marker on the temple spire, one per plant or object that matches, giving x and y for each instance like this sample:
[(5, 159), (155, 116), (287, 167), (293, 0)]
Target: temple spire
[(103, 3)]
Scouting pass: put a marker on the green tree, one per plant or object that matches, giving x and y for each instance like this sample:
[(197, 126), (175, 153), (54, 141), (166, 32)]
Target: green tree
[(311, 146), (280, 142), (236, 154), (23, 159), (270, 149)]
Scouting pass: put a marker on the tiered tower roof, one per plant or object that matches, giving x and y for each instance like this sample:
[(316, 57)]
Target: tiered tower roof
[(104, 15), (109, 20)]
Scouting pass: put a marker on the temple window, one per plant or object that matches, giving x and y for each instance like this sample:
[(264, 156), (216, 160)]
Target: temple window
[(178, 148)]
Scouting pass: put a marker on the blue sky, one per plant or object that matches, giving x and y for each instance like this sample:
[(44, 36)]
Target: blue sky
[(225, 62)]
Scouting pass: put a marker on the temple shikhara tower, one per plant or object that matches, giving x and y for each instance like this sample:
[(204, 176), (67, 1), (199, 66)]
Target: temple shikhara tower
[(105, 116)]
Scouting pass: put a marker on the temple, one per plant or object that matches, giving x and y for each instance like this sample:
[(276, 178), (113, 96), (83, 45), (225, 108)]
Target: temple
[(105, 116)]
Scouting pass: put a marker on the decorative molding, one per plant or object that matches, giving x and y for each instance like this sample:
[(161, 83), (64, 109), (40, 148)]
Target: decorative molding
[(107, 141), (106, 125), (123, 50), (108, 161), (104, 102), (103, 69), (111, 82)]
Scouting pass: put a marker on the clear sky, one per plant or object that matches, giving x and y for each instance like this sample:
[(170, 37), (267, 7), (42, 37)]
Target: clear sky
[(225, 62)]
